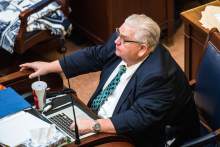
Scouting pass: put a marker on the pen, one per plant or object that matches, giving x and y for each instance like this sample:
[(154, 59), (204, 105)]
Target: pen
[(54, 97), (62, 106)]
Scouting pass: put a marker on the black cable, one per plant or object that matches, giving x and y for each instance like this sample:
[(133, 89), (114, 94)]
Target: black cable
[(63, 49)]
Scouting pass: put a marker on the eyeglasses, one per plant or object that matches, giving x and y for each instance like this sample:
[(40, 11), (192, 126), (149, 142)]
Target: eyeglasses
[(123, 40)]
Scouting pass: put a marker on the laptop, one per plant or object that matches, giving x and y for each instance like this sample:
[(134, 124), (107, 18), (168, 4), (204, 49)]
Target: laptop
[(62, 116)]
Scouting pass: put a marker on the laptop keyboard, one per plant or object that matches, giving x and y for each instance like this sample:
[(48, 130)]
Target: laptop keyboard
[(63, 122)]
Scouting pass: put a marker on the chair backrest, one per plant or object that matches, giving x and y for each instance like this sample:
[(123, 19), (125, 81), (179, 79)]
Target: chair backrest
[(207, 90)]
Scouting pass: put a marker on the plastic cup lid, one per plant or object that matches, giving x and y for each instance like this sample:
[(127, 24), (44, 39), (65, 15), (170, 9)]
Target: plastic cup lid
[(39, 85)]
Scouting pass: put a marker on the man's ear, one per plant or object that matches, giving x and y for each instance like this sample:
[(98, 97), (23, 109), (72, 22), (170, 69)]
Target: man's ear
[(144, 50)]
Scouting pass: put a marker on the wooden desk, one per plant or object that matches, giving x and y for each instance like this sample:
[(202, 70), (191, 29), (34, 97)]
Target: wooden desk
[(195, 37), (97, 19), (20, 82)]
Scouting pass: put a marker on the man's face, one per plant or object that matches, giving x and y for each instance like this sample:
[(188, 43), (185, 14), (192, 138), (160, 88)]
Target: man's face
[(127, 47)]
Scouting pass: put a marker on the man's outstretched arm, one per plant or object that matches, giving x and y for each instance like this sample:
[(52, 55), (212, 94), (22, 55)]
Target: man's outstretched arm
[(42, 68)]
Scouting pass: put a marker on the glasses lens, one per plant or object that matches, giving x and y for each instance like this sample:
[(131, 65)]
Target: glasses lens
[(117, 31), (119, 35)]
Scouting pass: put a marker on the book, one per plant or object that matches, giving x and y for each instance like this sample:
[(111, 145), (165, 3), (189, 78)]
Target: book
[(11, 102)]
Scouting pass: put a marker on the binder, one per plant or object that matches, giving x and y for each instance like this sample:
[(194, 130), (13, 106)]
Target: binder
[(11, 102)]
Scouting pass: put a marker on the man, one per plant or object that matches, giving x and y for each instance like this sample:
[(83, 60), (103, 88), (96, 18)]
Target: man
[(141, 90)]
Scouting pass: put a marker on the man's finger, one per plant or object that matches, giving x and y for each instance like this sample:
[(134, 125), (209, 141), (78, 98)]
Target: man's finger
[(72, 126), (25, 65), (23, 68), (34, 75)]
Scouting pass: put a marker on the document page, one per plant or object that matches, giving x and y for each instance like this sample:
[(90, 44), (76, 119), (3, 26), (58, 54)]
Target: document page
[(15, 129)]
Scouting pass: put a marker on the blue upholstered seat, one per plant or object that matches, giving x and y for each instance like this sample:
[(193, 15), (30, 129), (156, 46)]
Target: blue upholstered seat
[(207, 92)]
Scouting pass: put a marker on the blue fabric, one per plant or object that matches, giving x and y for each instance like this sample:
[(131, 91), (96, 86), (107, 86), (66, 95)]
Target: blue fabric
[(156, 95), (207, 92), (102, 97)]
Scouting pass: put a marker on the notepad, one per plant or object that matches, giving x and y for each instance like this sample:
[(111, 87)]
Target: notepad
[(11, 102)]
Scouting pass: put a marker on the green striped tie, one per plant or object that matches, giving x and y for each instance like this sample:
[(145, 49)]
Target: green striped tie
[(103, 95)]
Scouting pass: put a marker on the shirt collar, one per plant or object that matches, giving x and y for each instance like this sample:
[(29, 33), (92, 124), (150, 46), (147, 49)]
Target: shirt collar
[(131, 69)]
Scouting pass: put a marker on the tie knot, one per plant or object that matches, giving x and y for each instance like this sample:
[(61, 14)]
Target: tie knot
[(122, 69)]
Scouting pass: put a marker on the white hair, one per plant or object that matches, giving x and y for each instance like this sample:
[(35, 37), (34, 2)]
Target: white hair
[(146, 29)]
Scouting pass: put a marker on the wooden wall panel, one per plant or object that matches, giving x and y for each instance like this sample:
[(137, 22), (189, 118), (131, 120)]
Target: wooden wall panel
[(98, 18)]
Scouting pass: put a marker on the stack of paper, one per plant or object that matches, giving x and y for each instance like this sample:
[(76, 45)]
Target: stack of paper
[(15, 129), (211, 17), (23, 128)]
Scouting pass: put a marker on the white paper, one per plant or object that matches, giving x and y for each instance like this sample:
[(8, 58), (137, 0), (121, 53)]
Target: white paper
[(43, 135), (217, 16), (15, 129), (210, 18)]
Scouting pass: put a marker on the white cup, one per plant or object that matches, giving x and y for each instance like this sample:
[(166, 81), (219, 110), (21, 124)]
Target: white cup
[(39, 93)]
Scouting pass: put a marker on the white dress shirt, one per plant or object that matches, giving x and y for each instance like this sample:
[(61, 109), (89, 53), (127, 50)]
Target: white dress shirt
[(107, 109)]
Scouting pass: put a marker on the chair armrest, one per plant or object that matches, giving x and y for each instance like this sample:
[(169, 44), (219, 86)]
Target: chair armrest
[(21, 83), (37, 7), (210, 137), (13, 77)]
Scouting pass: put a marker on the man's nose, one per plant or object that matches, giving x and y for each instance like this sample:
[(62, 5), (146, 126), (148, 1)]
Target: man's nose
[(117, 41)]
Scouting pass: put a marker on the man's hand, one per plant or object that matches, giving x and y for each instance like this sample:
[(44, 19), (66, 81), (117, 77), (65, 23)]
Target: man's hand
[(85, 125), (41, 68)]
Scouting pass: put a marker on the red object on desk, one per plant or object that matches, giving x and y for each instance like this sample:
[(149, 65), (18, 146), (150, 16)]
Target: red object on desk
[(2, 87), (35, 100)]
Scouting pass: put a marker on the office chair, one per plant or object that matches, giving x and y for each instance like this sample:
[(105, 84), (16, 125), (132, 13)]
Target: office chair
[(26, 41), (207, 93)]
